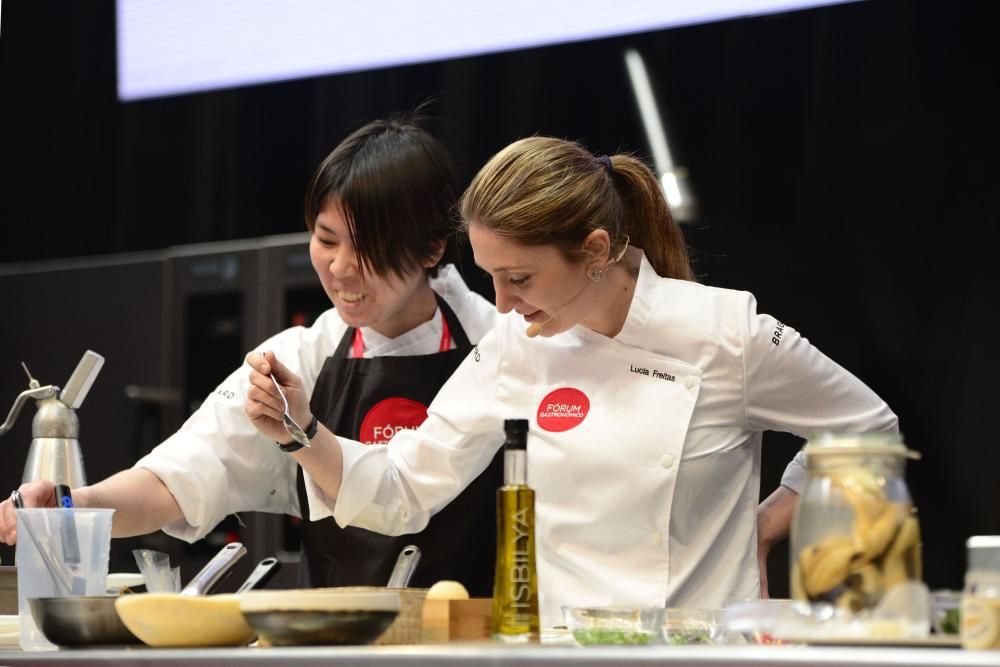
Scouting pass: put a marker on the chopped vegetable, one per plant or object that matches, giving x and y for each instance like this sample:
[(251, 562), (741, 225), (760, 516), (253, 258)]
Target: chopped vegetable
[(599, 636), (689, 637)]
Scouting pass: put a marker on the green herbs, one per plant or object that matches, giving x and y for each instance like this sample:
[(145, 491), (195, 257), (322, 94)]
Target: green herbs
[(600, 637), (688, 637)]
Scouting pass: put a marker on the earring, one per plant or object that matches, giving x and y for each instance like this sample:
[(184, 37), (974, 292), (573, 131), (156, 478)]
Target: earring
[(595, 274)]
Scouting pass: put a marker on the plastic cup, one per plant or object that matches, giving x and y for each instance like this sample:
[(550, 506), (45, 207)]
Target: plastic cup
[(60, 552)]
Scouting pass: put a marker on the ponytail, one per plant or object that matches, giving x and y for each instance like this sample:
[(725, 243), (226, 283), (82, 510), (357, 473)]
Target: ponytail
[(647, 219), (541, 190)]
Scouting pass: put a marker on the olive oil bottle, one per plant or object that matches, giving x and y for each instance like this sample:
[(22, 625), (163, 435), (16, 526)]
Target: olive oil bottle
[(515, 587)]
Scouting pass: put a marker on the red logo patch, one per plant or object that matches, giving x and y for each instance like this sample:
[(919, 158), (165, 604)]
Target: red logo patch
[(563, 409), (389, 416)]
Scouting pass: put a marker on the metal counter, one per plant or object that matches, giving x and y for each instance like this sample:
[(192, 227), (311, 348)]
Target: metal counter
[(501, 656)]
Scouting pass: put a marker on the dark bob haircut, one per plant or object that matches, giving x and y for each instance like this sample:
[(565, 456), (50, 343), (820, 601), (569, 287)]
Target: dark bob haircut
[(397, 189)]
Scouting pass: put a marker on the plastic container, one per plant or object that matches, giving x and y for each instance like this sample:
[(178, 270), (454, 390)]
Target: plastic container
[(683, 626), (855, 534), (762, 621), (60, 552), (945, 611), (980, 622), (611, 626)]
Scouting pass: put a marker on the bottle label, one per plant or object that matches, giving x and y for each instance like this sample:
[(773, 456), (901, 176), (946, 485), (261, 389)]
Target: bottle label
[(980, 622), (520, 570)]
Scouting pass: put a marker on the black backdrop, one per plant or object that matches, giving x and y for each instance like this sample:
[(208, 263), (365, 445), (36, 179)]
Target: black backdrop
[(844, 158)]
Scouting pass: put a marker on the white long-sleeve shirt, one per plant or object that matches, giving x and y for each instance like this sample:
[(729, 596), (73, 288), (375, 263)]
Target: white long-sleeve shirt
[(218, 463)]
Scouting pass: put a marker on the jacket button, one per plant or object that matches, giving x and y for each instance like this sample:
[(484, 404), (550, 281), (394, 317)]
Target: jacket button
[(667, 460), (656, 539)]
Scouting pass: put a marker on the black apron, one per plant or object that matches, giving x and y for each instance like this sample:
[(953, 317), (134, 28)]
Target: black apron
[(459, 543)]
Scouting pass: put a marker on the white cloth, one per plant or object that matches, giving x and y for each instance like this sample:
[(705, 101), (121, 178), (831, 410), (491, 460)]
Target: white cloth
[(651, 499), (218, 463)]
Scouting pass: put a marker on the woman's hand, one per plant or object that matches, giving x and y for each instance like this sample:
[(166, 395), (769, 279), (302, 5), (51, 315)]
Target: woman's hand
[(263, 403), (39, 493), (774, 518)]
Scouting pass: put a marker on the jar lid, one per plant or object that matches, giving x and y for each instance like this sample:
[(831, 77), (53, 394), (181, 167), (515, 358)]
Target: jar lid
[(984, 552), (859, 443)]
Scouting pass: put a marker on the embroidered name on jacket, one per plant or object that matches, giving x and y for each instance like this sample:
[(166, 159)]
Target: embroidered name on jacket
[(652, 373), (776, 336), (225, 393)]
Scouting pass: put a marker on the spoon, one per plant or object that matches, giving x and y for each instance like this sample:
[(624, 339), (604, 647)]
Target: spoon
[(291, 426)]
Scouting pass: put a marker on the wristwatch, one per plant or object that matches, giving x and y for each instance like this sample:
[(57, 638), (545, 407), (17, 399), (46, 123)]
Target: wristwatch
[(302, 438)]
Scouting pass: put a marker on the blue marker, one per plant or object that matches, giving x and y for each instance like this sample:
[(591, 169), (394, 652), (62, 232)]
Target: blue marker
[(71, 547), (63, 496)]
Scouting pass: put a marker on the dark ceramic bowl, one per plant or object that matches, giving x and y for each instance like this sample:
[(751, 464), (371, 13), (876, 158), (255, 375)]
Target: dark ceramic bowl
[(321, 616)]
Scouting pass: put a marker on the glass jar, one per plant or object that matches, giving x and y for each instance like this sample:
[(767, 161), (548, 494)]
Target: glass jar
[(980, 624), (855, 534)]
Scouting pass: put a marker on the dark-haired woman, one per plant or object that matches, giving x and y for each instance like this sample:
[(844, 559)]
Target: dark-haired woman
[(647, 393), (379, 210)]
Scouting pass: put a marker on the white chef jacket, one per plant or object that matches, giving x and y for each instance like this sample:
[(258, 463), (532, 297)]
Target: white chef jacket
[(218, 463), (654, 502)]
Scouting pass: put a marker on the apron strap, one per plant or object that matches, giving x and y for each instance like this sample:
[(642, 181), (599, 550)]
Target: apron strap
[(445, 336), (454, 327), (357, 345)]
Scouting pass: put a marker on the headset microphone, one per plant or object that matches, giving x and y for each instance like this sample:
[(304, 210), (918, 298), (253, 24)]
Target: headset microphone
[(536, 328)]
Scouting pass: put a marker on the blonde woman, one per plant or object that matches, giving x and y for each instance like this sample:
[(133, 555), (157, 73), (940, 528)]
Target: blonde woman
[(647, 393)]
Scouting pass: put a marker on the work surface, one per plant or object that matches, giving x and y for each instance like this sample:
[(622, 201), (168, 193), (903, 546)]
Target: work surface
[(497, 656)]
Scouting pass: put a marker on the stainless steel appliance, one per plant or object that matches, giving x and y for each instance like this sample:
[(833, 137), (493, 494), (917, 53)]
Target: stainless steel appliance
[(55, 447)]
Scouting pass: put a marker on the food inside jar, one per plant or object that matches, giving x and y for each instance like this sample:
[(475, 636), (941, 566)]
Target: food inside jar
[(882, 550)]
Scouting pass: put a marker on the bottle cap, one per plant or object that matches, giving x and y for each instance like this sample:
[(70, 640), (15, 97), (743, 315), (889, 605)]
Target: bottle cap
[(516, 432)]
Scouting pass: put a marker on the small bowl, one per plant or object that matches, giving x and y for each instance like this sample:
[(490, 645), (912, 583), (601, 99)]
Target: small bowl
[(683, 626), (755, 621), (320, 616), (614, 626)]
